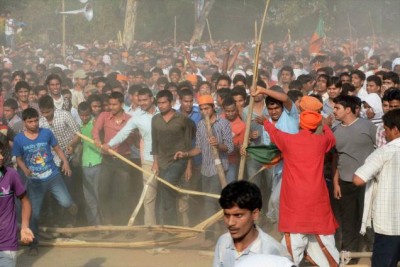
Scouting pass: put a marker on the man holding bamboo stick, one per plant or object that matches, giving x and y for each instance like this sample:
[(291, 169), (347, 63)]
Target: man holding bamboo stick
[(222, 140)]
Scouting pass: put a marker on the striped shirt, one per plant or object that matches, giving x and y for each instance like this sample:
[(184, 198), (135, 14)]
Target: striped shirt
[(221, 129)]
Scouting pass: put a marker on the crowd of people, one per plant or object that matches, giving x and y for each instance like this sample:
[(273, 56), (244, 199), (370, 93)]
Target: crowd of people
[(334, 117)]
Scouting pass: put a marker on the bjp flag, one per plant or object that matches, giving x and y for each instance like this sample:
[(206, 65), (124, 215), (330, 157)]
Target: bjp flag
[(317, 38)]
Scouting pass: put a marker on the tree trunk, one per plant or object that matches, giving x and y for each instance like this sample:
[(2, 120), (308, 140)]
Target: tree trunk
[(130, 19), (200, 21)]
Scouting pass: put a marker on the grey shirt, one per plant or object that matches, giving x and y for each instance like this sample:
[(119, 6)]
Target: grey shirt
[(354, 143)]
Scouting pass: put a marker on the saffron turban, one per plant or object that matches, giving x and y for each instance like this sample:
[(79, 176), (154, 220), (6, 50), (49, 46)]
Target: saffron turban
[(310, 120), (205, 99), (310, 103)]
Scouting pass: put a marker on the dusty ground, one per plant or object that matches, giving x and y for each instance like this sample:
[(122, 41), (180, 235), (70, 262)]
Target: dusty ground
[(185, 254)]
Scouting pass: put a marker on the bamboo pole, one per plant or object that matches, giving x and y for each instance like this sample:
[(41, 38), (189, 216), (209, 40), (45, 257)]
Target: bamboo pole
[(175, 31), (251, 104), (141, 200), (215, 154), (75, 243), (171, 229), (209, 32), (180, 190), (351, 37), (63, 47)]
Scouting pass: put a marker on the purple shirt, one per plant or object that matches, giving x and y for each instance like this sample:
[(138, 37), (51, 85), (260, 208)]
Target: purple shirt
[(10, 186)]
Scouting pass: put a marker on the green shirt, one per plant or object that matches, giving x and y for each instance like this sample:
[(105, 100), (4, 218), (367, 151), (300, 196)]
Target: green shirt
[(91, 155)]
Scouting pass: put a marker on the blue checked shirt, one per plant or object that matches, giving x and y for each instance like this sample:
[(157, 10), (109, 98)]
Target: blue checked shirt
[(222, 131)]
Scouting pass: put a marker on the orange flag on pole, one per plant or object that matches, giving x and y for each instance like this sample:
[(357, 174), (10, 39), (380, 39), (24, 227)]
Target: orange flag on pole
[(317, 38)]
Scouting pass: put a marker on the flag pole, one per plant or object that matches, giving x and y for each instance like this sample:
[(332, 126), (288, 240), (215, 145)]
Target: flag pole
[(254, 85)]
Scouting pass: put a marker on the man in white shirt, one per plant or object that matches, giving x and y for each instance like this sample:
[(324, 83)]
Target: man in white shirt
[(384, 165), (241, 202)]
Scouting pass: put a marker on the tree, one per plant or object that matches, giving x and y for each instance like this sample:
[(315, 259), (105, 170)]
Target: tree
[(130, 19), (202, 10)]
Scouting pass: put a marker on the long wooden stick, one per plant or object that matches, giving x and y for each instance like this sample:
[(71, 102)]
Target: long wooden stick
[(140, 244), (351, 37), (209, 32), (141, 200), (127, 161), (175, 31), (134, 228), (215, 154), (251, 103)]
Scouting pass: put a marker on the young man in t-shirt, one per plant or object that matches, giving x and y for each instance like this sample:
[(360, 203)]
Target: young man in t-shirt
[(32, 149), (11, 186)]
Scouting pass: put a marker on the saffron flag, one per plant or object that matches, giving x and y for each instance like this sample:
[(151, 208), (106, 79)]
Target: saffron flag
[(317, 38)]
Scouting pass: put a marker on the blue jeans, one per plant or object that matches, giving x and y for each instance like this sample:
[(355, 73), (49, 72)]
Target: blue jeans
[(263, 179), (36, 192), (212, 185), (168, 199), (386, 251), (231, 175), (8, 258), (90, 184)]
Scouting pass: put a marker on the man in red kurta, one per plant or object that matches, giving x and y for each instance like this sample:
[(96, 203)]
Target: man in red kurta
[(305, 214)]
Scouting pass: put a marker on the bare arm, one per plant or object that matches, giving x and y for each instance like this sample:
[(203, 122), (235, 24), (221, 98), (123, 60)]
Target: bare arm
[(26, 233), (65, 166), (188, 58), (287, 103), (358, 181), (23, 167)]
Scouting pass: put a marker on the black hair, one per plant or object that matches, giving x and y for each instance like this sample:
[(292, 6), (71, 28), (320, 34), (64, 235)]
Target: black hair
[(239, 90), (185, 85), (327, 70), (375, 79), (174, 70), (223, 93), (84, 106), (165, 93), (29, 113), (93, 98), (46, 102), (11, 103), (53, 76), (224, 77), (169, 85), (294, 95), (347, 101), (391, 75), (185, 92), (118, 96), (228, 101), (18, 73), (286, 68), (239, 78), (359, 73), (66, 92), (394, 94), (22, 85), (133, 89), (295, 85), (157, 70), (162, 80), (392, 119), (243, 194), (145, 91), (346, 88)]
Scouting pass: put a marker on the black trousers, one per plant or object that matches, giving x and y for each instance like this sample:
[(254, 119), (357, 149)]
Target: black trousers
[(348, 211)]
